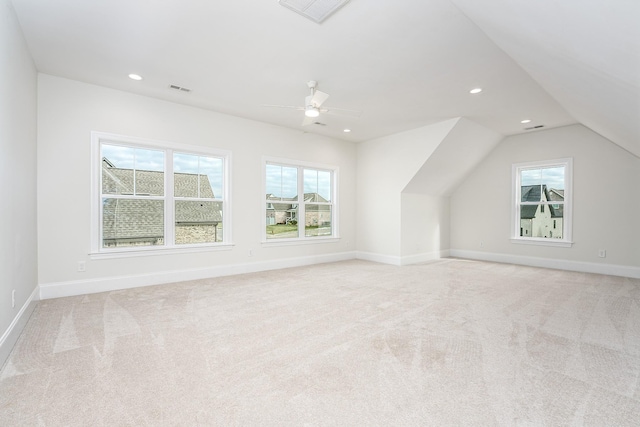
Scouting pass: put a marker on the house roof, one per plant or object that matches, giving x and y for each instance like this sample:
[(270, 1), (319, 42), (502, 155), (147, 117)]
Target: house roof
[(144, 218), (533, 193), (402, 65), (556, 195), (120, 181)]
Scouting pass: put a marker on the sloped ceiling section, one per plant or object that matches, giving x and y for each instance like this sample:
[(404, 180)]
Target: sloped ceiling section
[(586, 55), (446, 168)]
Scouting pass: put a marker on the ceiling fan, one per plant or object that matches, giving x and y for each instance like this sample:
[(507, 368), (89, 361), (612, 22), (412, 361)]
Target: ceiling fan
[(313, 105)]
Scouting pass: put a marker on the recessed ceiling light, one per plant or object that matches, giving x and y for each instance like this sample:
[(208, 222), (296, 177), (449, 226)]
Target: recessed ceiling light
[(135, 77), (525, 121), (476, 90), (347, 130)]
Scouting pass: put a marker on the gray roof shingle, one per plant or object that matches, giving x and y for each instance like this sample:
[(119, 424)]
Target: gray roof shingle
[(140, 219)]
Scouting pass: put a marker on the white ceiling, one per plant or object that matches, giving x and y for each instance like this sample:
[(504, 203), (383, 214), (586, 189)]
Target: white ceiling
[(402, 64)]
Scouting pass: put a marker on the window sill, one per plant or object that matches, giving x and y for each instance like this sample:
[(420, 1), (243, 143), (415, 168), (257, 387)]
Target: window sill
[(542, 242), (159, 251), (294, 242)]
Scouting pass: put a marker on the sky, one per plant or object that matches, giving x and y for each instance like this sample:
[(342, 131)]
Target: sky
[(552, 177), (153, 160), (282, 181)]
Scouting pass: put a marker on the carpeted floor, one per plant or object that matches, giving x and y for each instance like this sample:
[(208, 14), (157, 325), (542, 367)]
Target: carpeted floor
[(353, 343)]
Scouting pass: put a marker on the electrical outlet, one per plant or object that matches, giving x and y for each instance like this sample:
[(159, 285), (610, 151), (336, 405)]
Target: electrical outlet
[(602, 253), (82, 266), (13, 298), (250, 252)]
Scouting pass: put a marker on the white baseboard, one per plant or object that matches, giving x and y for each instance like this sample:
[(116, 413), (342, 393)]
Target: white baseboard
[(404, 260), (92, 286), (11, 335), (559, 264), (423, 257), (381, 258)]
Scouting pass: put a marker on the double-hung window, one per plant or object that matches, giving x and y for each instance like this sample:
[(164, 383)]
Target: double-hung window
[(151, 195), (300, 201), (542, 209)]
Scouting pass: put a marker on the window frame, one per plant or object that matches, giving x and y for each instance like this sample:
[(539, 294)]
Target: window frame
[(567, 217), (301, 238), (97, 250)]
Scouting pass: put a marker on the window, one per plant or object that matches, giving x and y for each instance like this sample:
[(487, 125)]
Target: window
[(300, 202), (151, 195), (542, 202)]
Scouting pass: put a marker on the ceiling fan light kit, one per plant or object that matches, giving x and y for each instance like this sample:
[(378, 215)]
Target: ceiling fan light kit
[(311, 111)]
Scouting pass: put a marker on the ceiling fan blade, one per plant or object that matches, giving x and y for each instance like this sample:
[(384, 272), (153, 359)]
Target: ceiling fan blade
[(292, 107), (341, 112), (318, 98)]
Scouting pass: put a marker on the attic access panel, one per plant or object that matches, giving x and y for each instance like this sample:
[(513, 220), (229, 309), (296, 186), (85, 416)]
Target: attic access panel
[(316, 10)]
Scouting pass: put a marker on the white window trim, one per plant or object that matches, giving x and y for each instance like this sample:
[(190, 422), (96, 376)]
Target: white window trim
[(96, 249), (301, 239), (567, 222)]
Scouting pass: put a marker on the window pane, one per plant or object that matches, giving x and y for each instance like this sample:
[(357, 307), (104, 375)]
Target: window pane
[(185, 175), (553, 178), (197, 176), (127, 170), (211, 177), (531, 177), (530, 193), (282, 220), (149, 172), (541, 221), (149, 183), (324, 185), (318, 220), (132, 222), (282, 182), (535, 182), (198, 221), (117, 169), (317, 183)]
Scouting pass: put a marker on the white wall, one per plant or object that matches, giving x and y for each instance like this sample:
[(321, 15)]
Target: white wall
[(606, 204), (18, 253), (69, 111), (385, 166), (404, 181), (425, 199), (425, 227)]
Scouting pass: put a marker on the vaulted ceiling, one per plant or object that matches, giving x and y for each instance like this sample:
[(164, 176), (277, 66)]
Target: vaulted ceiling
[(402, 65)]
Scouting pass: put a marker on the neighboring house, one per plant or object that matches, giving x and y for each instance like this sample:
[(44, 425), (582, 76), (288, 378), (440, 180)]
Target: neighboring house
[(136, 222), (541, 220), (285, 210)]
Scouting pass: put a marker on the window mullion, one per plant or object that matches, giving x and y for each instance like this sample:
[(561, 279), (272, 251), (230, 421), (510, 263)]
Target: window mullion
[(169, 204), (301, 203)]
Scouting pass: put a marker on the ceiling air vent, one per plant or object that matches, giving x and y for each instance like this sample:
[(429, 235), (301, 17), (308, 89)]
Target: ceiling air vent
[(180, 88), (534, 127), (316, 10)]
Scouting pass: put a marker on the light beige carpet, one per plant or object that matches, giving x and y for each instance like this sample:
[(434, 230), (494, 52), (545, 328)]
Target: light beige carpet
[(354, 343)]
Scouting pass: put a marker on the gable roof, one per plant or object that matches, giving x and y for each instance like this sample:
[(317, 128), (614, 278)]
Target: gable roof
[(533, 193)]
